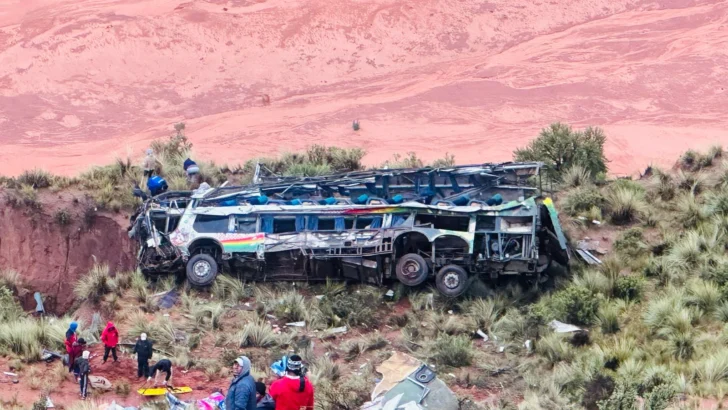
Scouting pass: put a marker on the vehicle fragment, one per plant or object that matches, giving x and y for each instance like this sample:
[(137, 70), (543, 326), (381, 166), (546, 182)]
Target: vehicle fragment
[(408, 383), (560, 327)]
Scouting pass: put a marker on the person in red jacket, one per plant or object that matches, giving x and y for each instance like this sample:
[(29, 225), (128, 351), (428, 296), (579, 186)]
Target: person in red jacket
[(293, 391), (110, 338), (70, 340)]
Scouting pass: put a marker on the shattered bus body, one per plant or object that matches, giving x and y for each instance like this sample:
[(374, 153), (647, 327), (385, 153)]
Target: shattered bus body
[(376, 226)]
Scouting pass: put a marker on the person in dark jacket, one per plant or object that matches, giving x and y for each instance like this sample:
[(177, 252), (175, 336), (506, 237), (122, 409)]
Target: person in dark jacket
[(265, 402), (242, 393), (84, 368), (143, 350), (293, 391), (76, 351), (162, 366), (70, 340), (110, 338)]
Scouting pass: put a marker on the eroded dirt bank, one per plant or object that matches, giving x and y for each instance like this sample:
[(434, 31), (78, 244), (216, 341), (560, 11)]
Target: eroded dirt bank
[(51, 257)]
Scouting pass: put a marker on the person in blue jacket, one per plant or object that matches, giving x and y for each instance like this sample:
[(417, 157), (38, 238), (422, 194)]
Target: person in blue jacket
[(242, 392), (156, 185)]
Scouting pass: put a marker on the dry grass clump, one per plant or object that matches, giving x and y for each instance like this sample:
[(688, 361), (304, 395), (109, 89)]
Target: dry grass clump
[(625, 205), (576, 176), (94, 285)]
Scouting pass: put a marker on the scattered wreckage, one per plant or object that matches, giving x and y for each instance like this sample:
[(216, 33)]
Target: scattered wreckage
[(449, 224)]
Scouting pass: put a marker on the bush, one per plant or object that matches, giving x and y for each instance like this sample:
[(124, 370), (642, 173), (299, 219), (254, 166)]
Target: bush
[(624, 205), (608, 318), (623, 397), (36, 178), (582, 199), (631, 243), (554, 348), (560, 148), (629, 287), (10, 309), (94, 285), (576, 176), (62, 217), (690, 213), (576, 305), (453, 351), (597, 389)]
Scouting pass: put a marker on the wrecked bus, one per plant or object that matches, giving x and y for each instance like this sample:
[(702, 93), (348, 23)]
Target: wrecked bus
[(411, 232)]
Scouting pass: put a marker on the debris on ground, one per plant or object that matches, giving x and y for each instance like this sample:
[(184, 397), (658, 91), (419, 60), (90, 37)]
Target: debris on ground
[(168, 299), (39, 303), (409, 384), (560, 327), (100, 383), (586, 250)]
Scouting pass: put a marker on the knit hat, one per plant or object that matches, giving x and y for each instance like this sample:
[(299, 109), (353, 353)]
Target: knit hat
[(294, 363)]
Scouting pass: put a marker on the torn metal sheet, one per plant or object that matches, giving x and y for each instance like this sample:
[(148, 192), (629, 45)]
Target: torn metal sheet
[(588, 257), (408, 384), (560, 327)]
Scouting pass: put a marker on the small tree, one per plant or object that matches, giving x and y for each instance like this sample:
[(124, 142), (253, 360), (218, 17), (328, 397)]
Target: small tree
[(559, 147)]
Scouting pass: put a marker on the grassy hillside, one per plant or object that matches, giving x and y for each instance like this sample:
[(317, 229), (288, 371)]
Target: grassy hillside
[(656, 310)]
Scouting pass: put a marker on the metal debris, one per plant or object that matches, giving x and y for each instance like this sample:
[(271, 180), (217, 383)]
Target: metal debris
[(560, 327)]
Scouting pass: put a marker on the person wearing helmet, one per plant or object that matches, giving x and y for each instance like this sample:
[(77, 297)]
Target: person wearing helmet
[(293, 391)]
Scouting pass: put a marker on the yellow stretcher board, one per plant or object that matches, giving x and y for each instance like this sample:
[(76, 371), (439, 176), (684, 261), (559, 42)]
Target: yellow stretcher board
[(160, 391)]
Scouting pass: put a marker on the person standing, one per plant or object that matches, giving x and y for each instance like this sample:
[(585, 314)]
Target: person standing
[(242, 393), (84, 368), (150, 164), (293, 391), (143, 350), (77, 349), (162, 366), (110, 338), (70, 340)]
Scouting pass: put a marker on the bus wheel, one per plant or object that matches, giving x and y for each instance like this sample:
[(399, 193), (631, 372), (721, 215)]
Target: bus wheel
[(412, 269), (451, 280), (201, 269)]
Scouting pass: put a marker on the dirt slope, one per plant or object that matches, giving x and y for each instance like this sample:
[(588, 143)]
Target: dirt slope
[(84, 80), (51, 258)]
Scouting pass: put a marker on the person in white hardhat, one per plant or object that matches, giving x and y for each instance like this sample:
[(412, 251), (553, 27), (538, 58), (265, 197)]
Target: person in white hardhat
[(143, 349)]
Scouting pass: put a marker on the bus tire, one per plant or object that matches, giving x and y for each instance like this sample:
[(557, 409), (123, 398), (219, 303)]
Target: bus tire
[(202, 270), (412, 269), (451, 281)]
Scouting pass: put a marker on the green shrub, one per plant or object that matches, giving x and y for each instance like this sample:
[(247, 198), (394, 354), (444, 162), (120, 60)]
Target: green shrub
[(608, 318), (629, 287), (623, 397), (62, 217), (36, 178), (94, 285), (576, 305), (631, 243), (453, 351), (560, 148), (625, 205), (581, 200), (10, 309), (576, 176), (690, 213)]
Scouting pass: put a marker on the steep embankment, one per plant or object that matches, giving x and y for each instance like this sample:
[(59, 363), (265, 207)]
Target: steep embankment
[(51, 255), (84, 80)]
